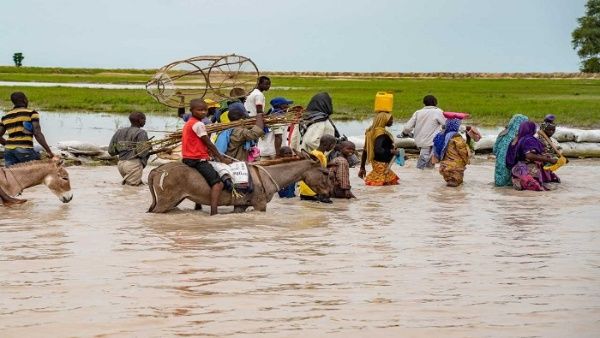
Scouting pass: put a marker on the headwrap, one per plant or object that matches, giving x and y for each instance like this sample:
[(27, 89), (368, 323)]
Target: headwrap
[(441, 140), (548, 122), (502, 174), (523, 143), (321, 102), (376, 129)]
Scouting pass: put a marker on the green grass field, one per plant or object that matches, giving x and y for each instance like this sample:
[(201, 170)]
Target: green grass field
[(576, 102)]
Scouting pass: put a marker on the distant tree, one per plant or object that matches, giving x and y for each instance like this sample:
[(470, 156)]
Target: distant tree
[(586, 38), (18, 59)]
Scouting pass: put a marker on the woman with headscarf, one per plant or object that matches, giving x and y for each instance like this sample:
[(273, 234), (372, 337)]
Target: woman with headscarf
[(379, 151), (551, 147), (525, 158), (453, 153), (502, 177), (315, 123)]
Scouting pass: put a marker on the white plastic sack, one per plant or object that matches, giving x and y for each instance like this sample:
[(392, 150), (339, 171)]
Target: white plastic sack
[(79, 148), (565, 134), (238, 171), (587, 136), (573, 149), (485, 143)]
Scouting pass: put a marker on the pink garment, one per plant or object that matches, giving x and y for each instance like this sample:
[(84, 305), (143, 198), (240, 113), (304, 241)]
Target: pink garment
[(253, 154)]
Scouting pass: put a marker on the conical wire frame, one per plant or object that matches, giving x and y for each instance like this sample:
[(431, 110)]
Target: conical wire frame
[(215, 77)]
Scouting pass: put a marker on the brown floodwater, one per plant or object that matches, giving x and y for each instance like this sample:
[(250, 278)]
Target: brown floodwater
[(418, 259)]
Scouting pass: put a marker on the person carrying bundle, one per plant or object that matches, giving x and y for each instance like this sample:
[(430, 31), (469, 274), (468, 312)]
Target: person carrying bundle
[(379, 151), (270, 143), (124, 143), (242, 141), (425, 124)]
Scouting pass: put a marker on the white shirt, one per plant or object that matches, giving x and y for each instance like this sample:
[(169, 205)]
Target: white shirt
[(312, 136), (255, 97), (426, 122), (266, 144), (199, 128)]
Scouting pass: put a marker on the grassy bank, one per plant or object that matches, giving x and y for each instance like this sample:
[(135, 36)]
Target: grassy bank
[(490, 101)]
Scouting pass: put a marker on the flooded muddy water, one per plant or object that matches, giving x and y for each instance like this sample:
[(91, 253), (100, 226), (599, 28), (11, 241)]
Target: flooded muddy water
[(418, 259)]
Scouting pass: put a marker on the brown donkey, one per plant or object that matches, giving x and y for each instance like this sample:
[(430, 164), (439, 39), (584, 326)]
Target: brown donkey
[(171, 183), (15, 179)]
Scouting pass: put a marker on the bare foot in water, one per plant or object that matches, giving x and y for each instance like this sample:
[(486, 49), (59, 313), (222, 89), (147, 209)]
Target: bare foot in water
[(13, 201)]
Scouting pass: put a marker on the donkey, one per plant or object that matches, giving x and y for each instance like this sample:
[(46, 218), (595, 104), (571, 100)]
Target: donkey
[(19, 177), (171, 183)]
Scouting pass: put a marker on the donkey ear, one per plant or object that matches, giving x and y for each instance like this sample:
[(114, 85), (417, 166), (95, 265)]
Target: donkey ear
[(309, 156)]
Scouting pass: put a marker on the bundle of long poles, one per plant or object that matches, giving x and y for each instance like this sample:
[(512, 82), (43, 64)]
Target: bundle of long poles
[(172, 140)]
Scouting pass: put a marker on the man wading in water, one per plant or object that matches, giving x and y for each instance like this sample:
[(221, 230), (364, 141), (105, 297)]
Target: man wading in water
[(124, 143), (426, 123)]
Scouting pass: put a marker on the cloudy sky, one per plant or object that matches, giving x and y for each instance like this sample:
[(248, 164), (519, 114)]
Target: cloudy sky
[(302, 35)]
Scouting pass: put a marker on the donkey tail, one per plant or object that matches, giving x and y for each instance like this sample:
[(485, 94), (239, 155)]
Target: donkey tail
[(151, 176)]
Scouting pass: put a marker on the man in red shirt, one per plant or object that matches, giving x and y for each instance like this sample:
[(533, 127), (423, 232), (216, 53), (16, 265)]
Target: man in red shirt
[(197, 149)]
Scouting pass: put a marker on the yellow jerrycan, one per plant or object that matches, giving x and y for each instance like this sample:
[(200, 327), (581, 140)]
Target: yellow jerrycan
[(384, 101)]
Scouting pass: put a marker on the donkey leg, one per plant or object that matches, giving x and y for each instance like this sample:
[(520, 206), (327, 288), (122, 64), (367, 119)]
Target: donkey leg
[(260, 206), (240, 208), (165, 204)]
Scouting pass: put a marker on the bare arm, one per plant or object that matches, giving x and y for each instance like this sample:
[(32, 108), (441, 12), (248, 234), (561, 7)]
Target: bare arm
[(363, 162), (260, 118), (2, 131), (259, 109), (112, 146), (539, 158), (39, 136), (278, 142), (213, 150)]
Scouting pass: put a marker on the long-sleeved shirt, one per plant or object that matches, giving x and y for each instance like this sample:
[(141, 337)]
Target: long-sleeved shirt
[(426, 122), (238, 139), (312, 136), (125, 143), (341, 173)]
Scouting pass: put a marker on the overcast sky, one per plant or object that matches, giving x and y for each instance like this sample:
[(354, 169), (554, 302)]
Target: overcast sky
[(302, 35)]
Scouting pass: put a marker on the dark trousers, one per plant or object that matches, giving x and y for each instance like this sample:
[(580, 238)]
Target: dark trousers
[(19, 155)]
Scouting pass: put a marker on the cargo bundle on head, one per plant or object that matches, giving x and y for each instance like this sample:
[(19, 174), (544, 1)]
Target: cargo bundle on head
[(384, 102)]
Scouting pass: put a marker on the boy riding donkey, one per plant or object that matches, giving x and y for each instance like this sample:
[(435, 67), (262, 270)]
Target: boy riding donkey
[(197, 149)]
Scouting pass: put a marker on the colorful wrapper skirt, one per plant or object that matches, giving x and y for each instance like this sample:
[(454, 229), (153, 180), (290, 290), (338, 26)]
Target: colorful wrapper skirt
[(380, 175)]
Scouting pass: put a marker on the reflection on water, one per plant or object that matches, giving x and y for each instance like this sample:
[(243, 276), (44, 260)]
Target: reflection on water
[(417, 259)]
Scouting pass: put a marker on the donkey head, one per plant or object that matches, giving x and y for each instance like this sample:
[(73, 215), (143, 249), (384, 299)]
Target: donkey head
[(57, 180)]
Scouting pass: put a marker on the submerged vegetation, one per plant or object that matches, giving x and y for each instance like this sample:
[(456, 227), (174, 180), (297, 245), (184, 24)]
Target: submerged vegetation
[(491, 101)]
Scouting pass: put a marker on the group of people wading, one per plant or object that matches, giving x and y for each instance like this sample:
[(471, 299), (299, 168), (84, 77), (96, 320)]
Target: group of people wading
[(523, 157)]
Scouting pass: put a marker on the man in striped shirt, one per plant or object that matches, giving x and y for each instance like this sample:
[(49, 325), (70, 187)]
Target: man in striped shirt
[(22, 125)]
